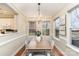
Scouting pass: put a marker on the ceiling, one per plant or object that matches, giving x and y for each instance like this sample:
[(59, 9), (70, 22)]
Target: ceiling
[(47, 9), (6, 11)]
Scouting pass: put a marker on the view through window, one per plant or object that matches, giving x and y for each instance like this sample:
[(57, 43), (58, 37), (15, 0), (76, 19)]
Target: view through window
[(57, 26), (46, 27), (75, 27), (32, 27)]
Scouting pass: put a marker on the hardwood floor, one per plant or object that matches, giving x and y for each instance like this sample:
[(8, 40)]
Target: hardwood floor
[(20, 52), (23, 51), (57, 52)]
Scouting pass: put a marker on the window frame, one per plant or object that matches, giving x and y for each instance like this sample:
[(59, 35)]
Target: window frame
[(62, 32), (55, 27), (70, 40)]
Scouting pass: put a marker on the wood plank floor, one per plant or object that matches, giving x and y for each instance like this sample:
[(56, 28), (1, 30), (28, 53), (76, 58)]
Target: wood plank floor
[(57, 52), (20, 52)]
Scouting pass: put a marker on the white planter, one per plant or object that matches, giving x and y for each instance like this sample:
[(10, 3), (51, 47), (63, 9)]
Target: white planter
[(38, 39)]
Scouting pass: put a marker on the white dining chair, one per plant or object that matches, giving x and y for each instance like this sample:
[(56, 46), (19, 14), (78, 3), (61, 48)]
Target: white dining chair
[(52, 44), (32, 44)]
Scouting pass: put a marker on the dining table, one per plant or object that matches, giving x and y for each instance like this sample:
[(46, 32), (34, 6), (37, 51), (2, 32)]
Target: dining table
[(43, 46)]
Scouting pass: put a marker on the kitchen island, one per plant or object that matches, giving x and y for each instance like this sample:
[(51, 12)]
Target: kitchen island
[(11, 43)]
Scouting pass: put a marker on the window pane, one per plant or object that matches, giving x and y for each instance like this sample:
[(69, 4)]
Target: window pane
[(57, 27), (46, 28), (32, 31), (45, 31), (75, 27), (75, 19), (32, 28), (58, 23)]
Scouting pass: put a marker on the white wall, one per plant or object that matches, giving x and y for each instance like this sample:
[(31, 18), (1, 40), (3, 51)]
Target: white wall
[(62, 44), (20, 23)]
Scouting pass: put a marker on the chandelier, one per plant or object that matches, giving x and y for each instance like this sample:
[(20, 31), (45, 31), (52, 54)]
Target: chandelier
[(39, 9), (39, 20)]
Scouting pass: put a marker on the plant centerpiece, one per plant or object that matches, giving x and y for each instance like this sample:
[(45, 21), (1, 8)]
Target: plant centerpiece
[(38, 34)]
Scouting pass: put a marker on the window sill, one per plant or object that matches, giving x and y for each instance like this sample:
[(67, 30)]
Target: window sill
[(73, 47)]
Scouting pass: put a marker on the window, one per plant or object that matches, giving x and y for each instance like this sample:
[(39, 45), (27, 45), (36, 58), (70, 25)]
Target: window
[(60, 26), (32, 27), (57, 26), (46, 28), (75, 27)]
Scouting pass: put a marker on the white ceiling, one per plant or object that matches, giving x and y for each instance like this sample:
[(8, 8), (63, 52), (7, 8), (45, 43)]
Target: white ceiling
[(47, 9)]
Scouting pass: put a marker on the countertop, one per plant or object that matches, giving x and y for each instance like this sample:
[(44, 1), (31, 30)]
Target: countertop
[(5, 38)]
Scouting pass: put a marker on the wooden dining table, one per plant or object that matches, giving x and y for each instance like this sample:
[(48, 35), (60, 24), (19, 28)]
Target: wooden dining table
[(41, 46)]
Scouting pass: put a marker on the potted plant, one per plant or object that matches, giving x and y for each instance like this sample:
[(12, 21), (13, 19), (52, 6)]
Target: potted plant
[(38, 34)]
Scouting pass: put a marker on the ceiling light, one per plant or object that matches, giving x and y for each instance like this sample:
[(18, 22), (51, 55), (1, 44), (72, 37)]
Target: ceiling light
[(39, 9), (39, 20)]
